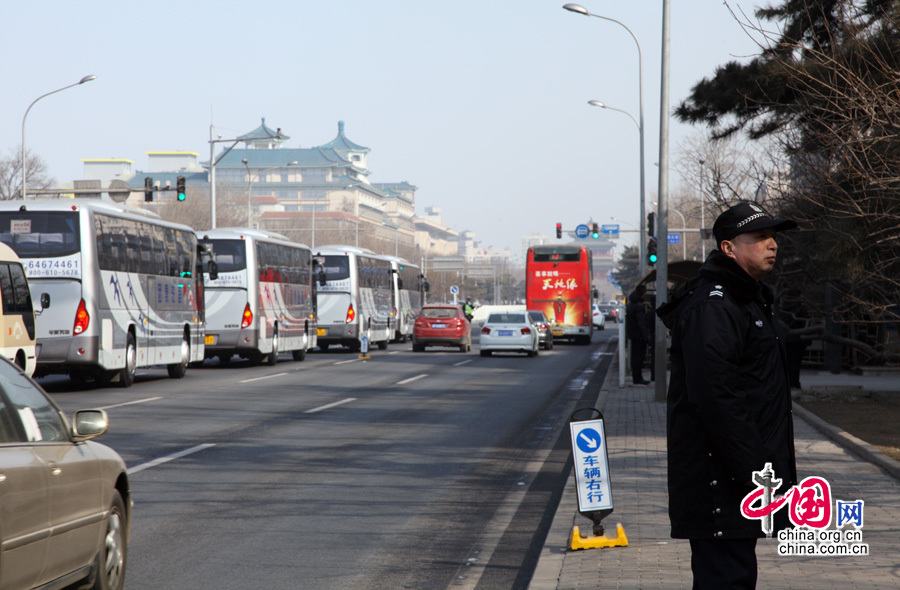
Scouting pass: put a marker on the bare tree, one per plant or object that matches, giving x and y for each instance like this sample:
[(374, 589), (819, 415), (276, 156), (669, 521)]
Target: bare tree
[(11, 173)]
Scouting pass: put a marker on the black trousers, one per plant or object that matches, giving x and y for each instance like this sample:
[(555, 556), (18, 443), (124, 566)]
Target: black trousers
[(724, 564), (638, 354)]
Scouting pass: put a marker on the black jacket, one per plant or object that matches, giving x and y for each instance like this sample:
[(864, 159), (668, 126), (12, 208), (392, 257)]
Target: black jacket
[(729, 402), (637, 323)]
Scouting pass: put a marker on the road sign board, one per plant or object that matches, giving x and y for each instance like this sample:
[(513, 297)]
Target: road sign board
[(674, 238), (582, 231), (591, 465), (454, 290), (609, 228)]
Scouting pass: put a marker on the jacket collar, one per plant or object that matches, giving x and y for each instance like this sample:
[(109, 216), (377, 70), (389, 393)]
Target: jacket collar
[(721, 268)]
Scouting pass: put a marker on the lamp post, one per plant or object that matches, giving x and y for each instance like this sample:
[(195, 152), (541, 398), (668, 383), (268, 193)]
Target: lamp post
[(250, 183), (640, 128), (24, 163), (579, 9)]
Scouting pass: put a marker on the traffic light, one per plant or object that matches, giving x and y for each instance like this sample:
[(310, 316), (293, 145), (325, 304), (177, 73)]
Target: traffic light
[(595, 231), (651, 251), (148, 189), (558, 230), (651, 223), (179, 187)]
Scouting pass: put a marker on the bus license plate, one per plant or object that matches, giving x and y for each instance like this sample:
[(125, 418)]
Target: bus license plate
[(438, 325), (558, 332), (210, 339), (504, 332), (321, 332)]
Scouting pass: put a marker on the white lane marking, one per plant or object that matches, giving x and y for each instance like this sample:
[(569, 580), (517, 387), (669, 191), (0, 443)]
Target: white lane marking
[(261, 378), (345, 362), (394, 352), (139, 401), (462, 363), (325, 407), (411, 379), (167, 458)]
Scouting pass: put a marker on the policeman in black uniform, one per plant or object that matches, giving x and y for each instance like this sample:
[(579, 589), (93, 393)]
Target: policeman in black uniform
[(729, 403)]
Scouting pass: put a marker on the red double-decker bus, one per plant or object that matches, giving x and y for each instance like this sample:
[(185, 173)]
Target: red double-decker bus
[(558, 283)]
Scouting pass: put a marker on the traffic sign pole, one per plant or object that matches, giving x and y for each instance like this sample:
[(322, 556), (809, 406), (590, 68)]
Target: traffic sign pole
[(594, 493)]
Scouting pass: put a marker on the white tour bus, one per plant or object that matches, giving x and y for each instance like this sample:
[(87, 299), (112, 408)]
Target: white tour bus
[(355, 299), (17, 336), (409, 295), (264, 299), (114, 287)]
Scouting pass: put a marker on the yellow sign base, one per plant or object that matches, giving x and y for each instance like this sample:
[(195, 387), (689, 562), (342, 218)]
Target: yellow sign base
[(364, 357), (592, 542)]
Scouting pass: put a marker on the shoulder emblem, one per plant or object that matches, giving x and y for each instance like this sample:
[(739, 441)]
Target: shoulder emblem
[(717, 291), (759, 323)]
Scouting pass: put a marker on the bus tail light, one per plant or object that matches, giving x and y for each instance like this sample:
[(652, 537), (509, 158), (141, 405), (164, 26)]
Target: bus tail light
[(82, 319), (248, 317), (351, 315)]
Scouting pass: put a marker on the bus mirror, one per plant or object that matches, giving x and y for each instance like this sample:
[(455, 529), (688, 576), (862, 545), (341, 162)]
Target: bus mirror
[(45, 300), (427, 287), (323, 279), (399, 283), (213, 270), (594, 294)]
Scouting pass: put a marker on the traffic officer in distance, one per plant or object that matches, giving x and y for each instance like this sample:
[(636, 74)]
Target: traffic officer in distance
[(729, 402)]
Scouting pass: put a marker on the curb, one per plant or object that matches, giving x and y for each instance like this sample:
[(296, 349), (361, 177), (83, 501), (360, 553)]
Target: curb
[(848, 441)]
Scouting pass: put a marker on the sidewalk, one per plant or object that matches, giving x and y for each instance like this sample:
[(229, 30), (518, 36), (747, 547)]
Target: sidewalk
[(635, 428)]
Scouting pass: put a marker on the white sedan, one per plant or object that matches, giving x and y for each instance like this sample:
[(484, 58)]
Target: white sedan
[(509, 332)]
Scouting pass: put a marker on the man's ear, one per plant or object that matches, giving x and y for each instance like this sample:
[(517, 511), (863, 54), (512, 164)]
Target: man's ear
[(727, 248)]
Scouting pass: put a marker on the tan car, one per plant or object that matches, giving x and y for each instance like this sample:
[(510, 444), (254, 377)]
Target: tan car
[(65, 503)]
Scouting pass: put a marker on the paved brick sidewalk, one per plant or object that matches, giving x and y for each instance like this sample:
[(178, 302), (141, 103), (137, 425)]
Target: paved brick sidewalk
[(635, 426)]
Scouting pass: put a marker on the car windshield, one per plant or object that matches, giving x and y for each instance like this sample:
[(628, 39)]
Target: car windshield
[(438, 312), (506, 318)]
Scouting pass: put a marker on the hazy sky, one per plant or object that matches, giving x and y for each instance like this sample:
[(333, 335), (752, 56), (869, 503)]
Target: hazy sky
[(481, 104)]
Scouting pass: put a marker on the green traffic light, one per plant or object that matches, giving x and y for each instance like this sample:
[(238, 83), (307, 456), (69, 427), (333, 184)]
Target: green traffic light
[(653, 258), (595, 235), (180, 196)]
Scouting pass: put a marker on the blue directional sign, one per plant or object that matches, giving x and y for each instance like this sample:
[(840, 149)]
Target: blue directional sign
[(582, 231), (609, 228), (674, 238), (454, 289), (591, 465)]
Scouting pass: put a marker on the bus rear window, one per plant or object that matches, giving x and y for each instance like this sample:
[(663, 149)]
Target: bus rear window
[(337, 268), (230, 255), (40, 234)]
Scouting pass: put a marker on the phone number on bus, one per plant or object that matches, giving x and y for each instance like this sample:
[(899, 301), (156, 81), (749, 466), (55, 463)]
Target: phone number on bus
[(53, 267)]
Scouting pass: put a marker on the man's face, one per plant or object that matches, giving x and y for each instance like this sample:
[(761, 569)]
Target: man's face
[(753, 251)]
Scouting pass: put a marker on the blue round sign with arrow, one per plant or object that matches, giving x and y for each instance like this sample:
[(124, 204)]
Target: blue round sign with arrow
[(588, 440)]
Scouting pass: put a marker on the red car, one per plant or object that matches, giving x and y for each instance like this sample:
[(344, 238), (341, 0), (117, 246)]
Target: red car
[(442, 325)]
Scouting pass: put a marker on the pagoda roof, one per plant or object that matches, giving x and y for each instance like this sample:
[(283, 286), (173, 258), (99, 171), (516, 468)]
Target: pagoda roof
[(262, 133), (342, 144)]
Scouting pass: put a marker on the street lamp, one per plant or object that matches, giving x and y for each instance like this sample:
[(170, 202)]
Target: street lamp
[(579, 9), (250, 182), (24, 163)]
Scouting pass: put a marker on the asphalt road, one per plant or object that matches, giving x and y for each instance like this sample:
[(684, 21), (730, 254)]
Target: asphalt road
[(409, 470)]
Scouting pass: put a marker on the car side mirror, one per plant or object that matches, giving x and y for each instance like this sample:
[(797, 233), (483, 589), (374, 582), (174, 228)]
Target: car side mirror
[(213, 270), (89, 424)]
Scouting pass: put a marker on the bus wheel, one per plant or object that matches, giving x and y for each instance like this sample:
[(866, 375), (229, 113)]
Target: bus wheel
[(177, 370), (382, 345), (299, 355), (224, 358), (273, 356), (126, 374)]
